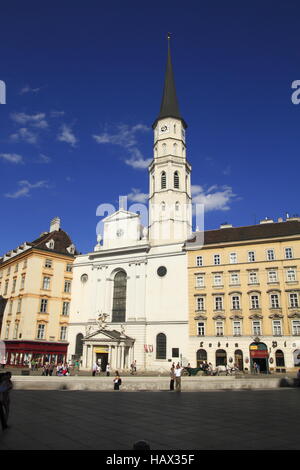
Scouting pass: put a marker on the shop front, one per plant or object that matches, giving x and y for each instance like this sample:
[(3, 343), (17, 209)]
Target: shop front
[(38, 353), (259, 358)]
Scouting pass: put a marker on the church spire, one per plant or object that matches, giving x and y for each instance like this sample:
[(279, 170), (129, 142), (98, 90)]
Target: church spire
[(169, 104)]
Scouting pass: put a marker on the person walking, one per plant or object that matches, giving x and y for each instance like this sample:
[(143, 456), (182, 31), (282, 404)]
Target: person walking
[(95, 366), (172, 377), (117, 381), (107, 370), (178, 372)]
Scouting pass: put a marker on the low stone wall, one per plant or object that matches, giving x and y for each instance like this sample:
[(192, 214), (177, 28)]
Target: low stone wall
[(189, 384)]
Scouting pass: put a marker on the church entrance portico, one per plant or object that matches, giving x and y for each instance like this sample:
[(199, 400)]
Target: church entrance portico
[(107, 347)]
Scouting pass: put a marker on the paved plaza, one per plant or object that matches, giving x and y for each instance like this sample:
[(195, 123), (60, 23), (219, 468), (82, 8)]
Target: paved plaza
[(268, 419)]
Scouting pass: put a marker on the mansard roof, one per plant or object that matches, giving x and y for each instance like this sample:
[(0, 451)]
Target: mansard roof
[(242, 234)]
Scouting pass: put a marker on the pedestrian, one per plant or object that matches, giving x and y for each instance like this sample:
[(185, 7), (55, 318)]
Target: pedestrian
[(117, 381), (95, 365), (255, 367), (3, 362), (107, 370), (178, 372), (172, 378), (134, 366), (5, 387), (188, 368)]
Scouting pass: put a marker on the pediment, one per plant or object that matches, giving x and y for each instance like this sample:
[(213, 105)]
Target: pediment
[(105, 335), (121, 214)]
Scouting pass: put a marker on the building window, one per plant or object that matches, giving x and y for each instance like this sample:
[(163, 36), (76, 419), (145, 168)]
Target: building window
[(296, 327), (200, 303), (176, 180), (272, 276), (256, 328), (251, 256), (294, 300), (10, 307), (288, 252), (19, 306), (46, 283), (218, 303), (48, 263), (163, 180), (277, 330), (291, 275), (63, 333), (270, 255), (201, 328), (237, 330), (16, 329), (22, 281), (200, 280), (199, 260), (254, 301), (25, 264), (233, 258), (67, 287), (236, 304), (69, 267), (7, 330), (161, 346), (5, 288), (41, 331), (219, 328), (8, 271), (44, 305), (66, 308), (234, 279), (16, 268), (253, 277), (218, 280), (119, 297), (274, 300), (217, 259), (14, 285)]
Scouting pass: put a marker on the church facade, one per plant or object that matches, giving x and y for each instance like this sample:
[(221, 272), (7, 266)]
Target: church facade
[(130, 295)]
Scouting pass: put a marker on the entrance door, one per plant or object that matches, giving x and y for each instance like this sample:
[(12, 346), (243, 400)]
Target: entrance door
[(259, 355), (102, 360), (238, 359), (221, 357)]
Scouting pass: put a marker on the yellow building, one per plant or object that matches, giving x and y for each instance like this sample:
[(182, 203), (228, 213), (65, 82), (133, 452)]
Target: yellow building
[(244, 289), (35, 287)]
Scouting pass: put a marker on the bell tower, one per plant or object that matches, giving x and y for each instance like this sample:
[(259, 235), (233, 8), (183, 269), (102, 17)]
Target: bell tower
[(170, 209)]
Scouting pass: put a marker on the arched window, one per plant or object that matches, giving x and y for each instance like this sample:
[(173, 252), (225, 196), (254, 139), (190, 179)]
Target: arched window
[(279, 357), (119, 299), (163, 206), (161, 346), (176, 180), (174, 128), (164, 149), (176, 206), (238, 359), (163, 180), (175, 146), (221, 357), (79, 345), (201, 356)]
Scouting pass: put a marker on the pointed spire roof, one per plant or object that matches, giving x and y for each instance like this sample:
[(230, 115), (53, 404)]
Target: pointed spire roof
[(169, 104)]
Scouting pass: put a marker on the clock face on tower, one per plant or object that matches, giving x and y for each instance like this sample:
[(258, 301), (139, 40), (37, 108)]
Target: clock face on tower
[(163, 129), (120, 233)]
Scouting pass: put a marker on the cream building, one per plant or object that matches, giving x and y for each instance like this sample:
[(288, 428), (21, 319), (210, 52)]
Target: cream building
[(244, 296), (36, 283), (130, 297)]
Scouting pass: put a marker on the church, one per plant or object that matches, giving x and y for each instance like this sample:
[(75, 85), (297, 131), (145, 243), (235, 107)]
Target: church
[(130, 295)]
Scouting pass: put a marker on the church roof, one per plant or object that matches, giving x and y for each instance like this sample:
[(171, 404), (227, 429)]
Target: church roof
[(169, 104)]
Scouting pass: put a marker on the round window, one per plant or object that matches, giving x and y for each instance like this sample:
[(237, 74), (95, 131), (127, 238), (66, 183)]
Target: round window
[(162, 271), (84, 278)]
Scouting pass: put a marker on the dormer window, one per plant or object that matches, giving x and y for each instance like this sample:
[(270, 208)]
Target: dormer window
[(71, 249), (50, 245)]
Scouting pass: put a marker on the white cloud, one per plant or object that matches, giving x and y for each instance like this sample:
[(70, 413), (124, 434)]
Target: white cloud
[(67, 135), (137, 196), (23, 134), (11, 157), (35, 120), (25, 188), (44, 159), (126, 138), (28, 89), (214, 198)]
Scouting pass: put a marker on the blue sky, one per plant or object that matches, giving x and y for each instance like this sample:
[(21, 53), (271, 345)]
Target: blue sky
[(84, 83)]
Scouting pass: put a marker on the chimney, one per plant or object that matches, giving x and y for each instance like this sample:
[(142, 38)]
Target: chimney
[(226, 225), (55, 224), (266, 220)]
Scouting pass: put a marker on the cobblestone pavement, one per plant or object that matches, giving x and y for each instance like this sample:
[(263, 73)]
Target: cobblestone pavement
[(167, 420)]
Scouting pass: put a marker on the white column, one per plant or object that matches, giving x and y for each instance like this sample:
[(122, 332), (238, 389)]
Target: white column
[(122, 357)]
